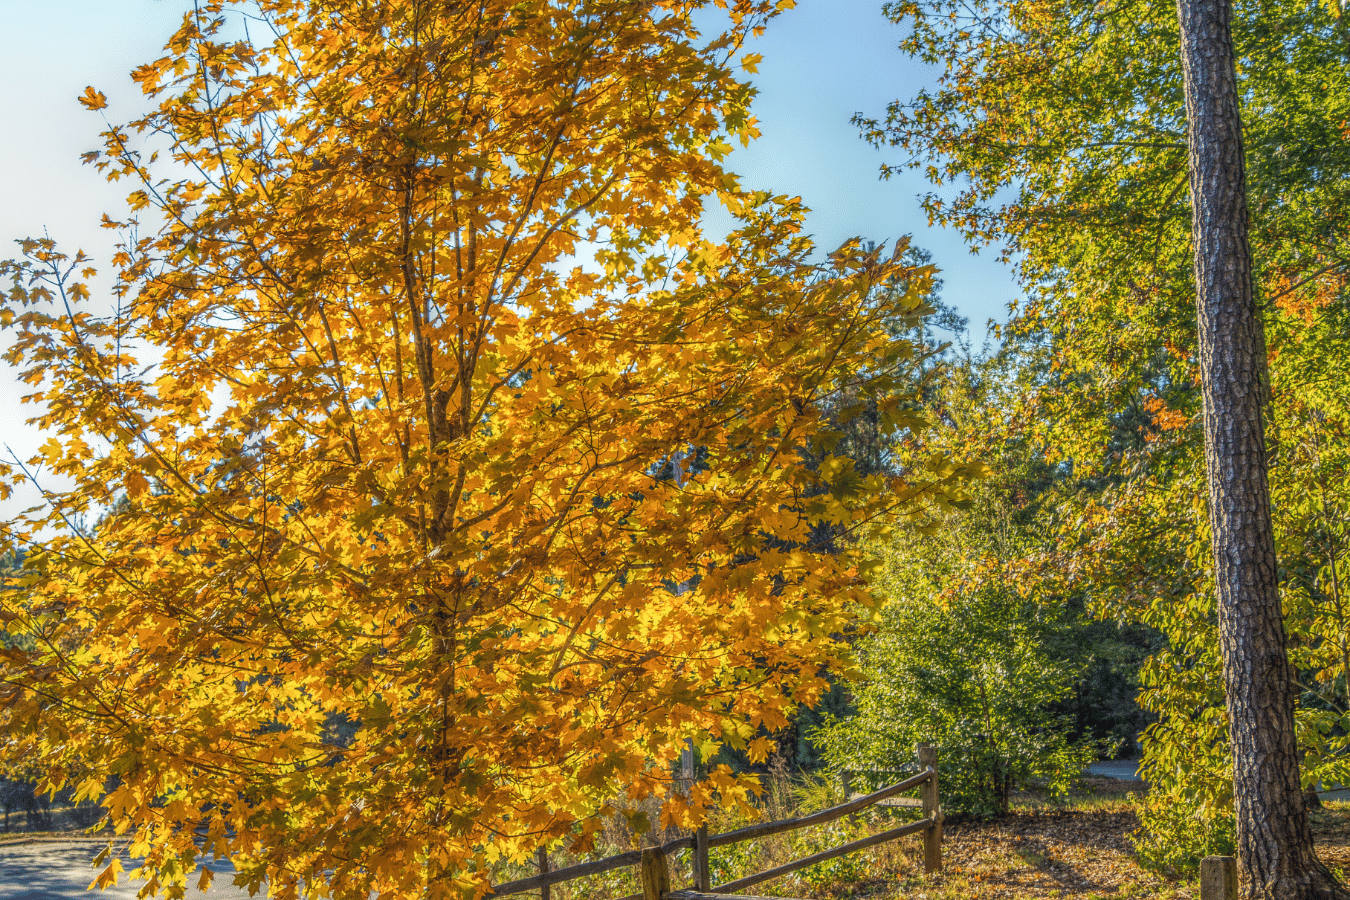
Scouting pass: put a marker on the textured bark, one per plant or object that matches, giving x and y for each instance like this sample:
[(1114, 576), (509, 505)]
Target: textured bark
[(1275, 848)]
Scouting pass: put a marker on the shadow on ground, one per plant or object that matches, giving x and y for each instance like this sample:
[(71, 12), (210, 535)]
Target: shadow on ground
[(40, 869)]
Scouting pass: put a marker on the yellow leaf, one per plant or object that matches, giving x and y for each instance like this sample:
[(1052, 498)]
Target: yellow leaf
[(136, 484), (92, 99), (108, 876), (759, 749)]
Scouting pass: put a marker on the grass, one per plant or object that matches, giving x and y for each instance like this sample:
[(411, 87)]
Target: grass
[(1039, 850)]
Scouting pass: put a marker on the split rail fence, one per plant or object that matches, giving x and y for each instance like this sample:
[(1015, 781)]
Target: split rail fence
[(655, 872)]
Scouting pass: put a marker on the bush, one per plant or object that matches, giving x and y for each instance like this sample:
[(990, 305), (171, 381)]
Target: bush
[(1175, 832), (973, 679), (963, 659), (1188, 813)]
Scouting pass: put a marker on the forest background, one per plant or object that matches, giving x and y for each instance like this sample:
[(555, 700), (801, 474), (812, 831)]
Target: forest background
[(1087, 409)]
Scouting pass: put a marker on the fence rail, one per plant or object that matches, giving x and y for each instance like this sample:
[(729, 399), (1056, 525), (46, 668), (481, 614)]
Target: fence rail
[(655, 872)]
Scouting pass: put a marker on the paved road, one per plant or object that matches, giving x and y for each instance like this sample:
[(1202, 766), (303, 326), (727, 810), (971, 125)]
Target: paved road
[(1124, 769), (60, 870), (1128, 770)]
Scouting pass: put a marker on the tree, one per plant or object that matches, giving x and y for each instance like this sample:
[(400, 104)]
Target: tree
[(1274, 840), (963, 653), (381, 593), (1062, 127)]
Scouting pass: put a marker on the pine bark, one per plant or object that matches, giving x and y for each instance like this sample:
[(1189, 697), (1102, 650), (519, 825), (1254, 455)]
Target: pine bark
[(1275, 846)]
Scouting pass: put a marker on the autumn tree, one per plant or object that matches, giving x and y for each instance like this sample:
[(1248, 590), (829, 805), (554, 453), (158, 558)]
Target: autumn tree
[(412, 307)]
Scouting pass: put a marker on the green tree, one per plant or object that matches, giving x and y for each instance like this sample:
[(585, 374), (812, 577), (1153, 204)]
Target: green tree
[(966, 652), (1061, 128)]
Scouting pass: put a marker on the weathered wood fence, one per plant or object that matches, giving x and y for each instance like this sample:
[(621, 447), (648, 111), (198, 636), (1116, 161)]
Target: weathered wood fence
[(655, 872), (1218, 878)]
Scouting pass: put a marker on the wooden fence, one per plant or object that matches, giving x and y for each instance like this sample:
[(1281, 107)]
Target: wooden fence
[(1218, 878), (655, 873)]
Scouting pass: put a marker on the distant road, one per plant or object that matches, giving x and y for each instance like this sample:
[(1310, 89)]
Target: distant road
[(1128, 770), (60, 870), (1124, 769)]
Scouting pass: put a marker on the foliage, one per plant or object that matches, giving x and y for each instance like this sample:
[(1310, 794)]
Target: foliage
[(1061, 127), (864, 435), (1311, 495), (1176, 832), (784, 798), (865, 439), (967, 669), (961, 656), (384, 592), (842, 870)]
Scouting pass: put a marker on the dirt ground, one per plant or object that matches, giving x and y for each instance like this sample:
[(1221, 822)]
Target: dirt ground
[(1035, 853), (1046, 853), (1040, 853)]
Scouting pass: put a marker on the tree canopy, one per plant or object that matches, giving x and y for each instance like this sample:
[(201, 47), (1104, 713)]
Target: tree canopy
[(1061, 129), (411, 308)]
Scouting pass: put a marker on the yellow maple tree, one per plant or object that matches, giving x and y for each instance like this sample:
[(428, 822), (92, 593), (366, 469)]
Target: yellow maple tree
[(383, 586)]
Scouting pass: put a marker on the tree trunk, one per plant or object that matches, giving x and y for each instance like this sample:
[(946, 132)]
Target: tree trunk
[(1275, 848)]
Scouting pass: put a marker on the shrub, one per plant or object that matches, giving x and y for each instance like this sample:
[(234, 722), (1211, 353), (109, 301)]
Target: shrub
[(963, 659), (973, 679)]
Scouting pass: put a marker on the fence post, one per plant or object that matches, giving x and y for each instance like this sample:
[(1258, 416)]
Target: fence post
[(542, 856), (702, 868), (1218, 878), (932, 809), (846, 784), (655, 874), (702, 872)]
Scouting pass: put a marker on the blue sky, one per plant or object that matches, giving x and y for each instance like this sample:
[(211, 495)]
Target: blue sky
[(823, 62)]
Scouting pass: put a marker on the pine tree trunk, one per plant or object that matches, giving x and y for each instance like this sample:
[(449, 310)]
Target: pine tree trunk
[(1275, 848)]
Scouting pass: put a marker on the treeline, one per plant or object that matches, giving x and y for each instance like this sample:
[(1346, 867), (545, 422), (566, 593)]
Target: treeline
[(26, 808)]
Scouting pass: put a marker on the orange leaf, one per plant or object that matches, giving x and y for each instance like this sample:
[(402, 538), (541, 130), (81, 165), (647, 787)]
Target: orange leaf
[(92, 99), (136, 484), (759, 749)]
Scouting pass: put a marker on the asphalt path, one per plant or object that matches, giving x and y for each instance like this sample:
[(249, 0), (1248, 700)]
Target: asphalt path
[(47, 869), (1123, 769), (1128, 770)]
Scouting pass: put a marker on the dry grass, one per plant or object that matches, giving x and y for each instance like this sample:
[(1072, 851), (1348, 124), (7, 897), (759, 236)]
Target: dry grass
[(1039, 851), (1036, 853), (1081, 849)]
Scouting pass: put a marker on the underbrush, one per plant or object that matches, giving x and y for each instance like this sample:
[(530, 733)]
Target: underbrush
[(1078, 845), (783, 798)]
